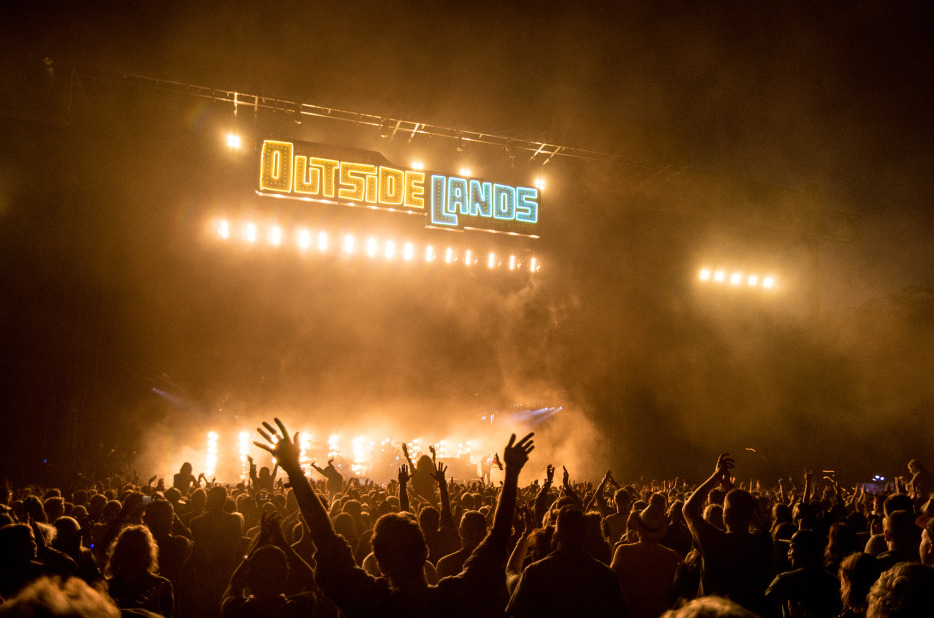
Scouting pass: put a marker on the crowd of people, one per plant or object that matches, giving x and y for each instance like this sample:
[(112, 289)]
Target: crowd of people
[(424, 545)]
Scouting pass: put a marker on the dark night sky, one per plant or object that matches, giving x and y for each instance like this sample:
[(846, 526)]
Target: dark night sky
[(738, 127)]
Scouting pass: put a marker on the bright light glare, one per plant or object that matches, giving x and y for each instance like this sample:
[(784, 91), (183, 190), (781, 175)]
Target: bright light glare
[(323, 241), (371, 247), (390, 249), (533, 265), (304, 239), (512, 262), (718, 276), (417, 165), (753, 280), (540, 183), (348, 244), (250, 232), (275, 235), (768, 282), (468, 258), (735, 278), (408, 252), (233, 140), (491, 262), (449, 255), (429, 254), (223, 229), (465, 171), (705, 274)]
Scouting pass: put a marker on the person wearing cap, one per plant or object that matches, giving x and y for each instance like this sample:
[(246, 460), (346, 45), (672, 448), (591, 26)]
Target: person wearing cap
[(646, 569), (808, 589)]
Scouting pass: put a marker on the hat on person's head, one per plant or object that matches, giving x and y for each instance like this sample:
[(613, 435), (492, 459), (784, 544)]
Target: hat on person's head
[(808, 540), (651, 523)]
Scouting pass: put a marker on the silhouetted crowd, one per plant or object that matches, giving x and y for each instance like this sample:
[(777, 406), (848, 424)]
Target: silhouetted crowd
[(424, 545)]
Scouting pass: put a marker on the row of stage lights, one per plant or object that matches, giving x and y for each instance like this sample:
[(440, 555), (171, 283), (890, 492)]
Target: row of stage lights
[(234, 142), (361, 451), (736, 279), (371, 247)]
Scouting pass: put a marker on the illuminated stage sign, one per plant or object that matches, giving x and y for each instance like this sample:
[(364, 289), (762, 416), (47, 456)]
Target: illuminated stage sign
[(351, 177)]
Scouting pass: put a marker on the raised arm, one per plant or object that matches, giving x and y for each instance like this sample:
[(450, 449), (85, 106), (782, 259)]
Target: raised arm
[(446, 519), (403, 488), (694, 506), (516, 454), (286, 451), (541, 500)]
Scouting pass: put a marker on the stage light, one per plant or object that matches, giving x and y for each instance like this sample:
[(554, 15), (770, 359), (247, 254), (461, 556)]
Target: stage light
[(348, 244), (429, 254), (448, 255), (512, 262), (491, 261), (390, 249), (752, 281), (304, 239), (417, 165), (275, 235), (322, 241), (735, 278), (210, 462), (468, 258), (540, 183), (334, 446), (244, 443), (304, 442), (768, 282), (534, 265), (408, 252), (250, 232), (223, 229), (719, 276), (705, 274), (371, 247), (465, 172), (233, 140)]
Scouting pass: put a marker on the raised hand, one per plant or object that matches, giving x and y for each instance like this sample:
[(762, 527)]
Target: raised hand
[(439, 473), (403, 474), (725, 463), (405, 450), (434, 456), (550, 474), (567, 477), (283, 449), (516, 454)]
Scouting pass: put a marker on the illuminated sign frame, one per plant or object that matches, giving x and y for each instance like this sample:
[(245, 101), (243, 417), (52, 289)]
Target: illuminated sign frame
[(352, 177)]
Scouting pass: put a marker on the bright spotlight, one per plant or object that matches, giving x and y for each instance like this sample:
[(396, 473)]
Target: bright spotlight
[(468, 257), (304, 239), (512, 262), (719, 276), (534, 265), (223, 229), (348, 244), (449, 255), (735, 278), (250, 232), (465, 171), (417, 165), (390, 249), (753, 280), (233, 140), (275, 235), (322, 241), (429, 254), (705, 274), (491, 261), (768, 282), (540, 183), (371, 247), (408, 251)]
